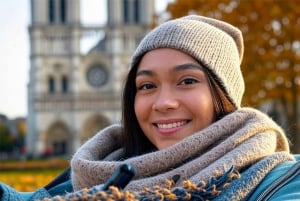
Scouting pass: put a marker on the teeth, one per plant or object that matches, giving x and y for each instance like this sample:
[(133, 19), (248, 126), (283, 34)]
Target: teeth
[(171, 125)]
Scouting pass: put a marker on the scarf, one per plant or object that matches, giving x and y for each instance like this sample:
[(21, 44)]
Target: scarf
[(238, 140)]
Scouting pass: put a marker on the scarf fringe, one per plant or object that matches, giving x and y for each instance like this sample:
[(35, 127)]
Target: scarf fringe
[(189, 191)]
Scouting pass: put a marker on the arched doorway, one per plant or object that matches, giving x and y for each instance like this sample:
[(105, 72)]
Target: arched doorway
[(57, 139), (93, 125)]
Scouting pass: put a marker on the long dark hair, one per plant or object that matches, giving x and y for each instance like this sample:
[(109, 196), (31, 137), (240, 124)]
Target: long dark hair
[(135, 141)]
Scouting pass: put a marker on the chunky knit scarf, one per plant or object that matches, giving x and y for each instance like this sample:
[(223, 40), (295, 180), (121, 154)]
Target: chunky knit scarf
[(238, 140)]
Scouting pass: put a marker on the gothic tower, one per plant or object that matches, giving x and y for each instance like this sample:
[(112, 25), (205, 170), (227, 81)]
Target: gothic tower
[(74, 93)]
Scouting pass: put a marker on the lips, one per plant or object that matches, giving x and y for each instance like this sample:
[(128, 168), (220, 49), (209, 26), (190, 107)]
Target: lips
[(171, 125)]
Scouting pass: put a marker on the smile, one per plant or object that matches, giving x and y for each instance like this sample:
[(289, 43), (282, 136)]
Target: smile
[(171, 125)]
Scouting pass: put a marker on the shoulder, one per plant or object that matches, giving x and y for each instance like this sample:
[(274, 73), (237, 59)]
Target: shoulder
[(8, 193), (282, 183)]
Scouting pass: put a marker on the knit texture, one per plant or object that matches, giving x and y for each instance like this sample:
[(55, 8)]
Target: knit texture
[(240, 139), (216, 44), (226, 187), (187, 192)]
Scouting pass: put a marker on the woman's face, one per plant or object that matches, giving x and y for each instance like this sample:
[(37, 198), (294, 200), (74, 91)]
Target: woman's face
[(173, 98)]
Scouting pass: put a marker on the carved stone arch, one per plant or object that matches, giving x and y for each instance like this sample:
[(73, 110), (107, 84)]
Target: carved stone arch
[(57, 139), (93, 125)]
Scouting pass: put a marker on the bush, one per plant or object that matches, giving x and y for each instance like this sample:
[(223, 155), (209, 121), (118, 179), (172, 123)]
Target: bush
[(34, 164)]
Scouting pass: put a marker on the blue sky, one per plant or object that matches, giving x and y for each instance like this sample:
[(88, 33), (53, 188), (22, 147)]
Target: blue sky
[(14, 51)]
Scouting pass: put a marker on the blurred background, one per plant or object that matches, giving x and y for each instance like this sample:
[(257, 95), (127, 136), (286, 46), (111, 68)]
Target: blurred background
[(63, 63)]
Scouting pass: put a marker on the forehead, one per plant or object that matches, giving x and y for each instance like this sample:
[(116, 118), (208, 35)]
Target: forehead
[(164, 57)]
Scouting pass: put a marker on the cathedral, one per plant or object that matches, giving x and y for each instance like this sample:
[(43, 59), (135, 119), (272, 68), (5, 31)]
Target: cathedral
[(72, 93)]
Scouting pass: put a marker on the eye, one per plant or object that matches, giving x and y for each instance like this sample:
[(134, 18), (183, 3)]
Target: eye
[(188, 81), (145, 87)]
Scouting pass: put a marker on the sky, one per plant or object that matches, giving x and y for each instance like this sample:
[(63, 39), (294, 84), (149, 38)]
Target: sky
[(14, 50)]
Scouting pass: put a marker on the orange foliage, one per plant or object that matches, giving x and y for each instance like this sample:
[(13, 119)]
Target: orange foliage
[(30, 175), (27, 181)]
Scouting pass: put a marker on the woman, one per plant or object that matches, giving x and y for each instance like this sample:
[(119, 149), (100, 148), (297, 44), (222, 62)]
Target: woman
[(182, 117), (184, 130)]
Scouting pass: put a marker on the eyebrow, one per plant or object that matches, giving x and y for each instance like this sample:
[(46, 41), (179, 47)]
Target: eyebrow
[(187, 66), (177, 68)]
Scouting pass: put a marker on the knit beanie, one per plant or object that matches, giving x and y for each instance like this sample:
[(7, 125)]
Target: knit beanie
[(214, 43)]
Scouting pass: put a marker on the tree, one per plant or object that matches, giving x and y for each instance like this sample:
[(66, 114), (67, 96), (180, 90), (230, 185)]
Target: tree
[(20, 141), (271, 64), (6, 140)]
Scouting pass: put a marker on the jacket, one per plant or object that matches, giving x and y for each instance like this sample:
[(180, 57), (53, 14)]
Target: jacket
[(282, 183)]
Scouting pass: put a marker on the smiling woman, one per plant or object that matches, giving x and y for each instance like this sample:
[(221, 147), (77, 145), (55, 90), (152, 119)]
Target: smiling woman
[(182, 122), (183, 128), (173, 98)]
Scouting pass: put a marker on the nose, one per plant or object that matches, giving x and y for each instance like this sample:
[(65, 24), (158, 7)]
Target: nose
[(165, 100)]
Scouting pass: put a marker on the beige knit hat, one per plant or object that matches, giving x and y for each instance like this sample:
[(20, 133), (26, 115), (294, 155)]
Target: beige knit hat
[(216, 44)]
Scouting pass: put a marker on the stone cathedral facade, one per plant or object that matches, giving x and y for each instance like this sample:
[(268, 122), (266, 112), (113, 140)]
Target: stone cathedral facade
[(73, 94)]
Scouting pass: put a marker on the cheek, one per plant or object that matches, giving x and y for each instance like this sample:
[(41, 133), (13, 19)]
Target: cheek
[(209, 111), (140, 108), (205, 108)]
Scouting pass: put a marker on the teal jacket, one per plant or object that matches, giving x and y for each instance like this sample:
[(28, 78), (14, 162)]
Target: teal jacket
[(282, 183)]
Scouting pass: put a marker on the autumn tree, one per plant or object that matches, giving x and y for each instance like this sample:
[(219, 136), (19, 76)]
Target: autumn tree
[(21, 132), (271, 64), (6, 140)]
